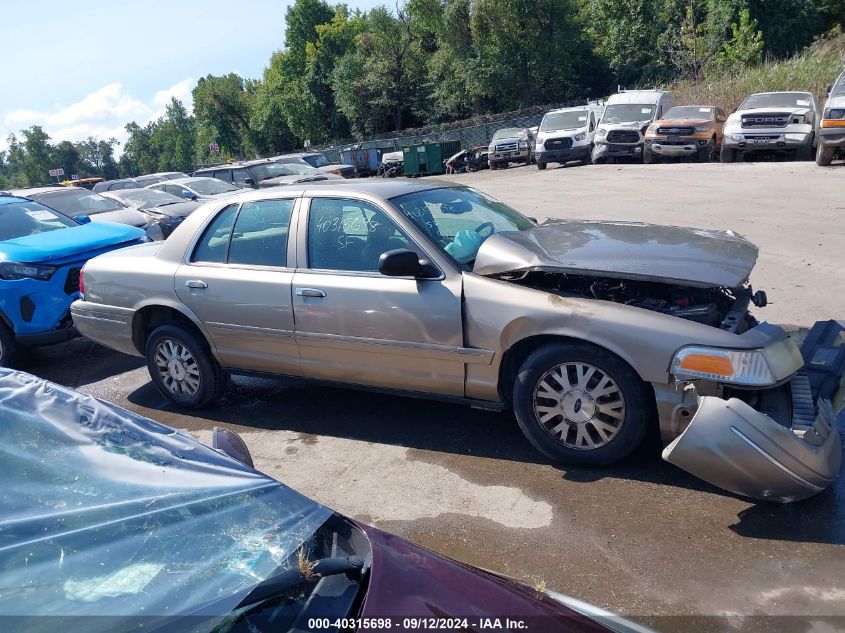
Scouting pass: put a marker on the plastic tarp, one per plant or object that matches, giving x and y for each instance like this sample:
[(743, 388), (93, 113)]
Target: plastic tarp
[(110, 521)]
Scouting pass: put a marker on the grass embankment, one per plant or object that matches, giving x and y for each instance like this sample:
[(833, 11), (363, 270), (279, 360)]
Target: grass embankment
[(813, 70)]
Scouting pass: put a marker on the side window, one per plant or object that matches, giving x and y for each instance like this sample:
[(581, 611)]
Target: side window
[(592, 121), (350, 235), (172, 189), (260, 237), (239, 177), (214, 242), (223, 174)]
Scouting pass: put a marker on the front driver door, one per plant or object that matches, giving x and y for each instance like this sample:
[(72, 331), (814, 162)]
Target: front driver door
[(355, 325), (237, 280)]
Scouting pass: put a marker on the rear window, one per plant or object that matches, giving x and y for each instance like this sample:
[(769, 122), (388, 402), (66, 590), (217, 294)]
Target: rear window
[(75, 202), (24, 218)]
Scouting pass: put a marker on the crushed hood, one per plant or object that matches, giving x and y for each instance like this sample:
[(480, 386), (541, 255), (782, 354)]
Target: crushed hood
[(627, 250), (72, 243)]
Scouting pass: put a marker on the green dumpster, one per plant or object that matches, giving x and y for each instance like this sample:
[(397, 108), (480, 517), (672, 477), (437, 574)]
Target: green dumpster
[(427, 159)]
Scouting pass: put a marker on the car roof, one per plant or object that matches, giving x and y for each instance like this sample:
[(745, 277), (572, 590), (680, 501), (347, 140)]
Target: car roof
[(34, 191), (636, 97), (186, 180), (243, 163)]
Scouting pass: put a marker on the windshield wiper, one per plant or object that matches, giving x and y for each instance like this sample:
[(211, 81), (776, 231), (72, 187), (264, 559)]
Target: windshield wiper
[(273, 586)]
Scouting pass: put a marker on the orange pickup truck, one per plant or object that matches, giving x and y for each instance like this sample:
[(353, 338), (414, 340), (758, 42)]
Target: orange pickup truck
[(686, 131)]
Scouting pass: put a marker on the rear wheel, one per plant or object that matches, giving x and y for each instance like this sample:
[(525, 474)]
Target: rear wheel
[(727, 155), (824, 155), (8, 347), (579, 404), (182, 367)]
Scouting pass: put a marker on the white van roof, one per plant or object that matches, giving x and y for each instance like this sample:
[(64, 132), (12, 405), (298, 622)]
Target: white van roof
[(637, 96), (581, 108)]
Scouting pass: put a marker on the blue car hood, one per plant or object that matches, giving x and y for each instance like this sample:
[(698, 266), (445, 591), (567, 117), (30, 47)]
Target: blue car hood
[(63, 244)]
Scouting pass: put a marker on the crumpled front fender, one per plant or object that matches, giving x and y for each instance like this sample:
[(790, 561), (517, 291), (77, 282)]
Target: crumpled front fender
[(731, 445)]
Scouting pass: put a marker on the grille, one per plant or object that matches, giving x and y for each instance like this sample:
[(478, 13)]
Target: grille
[(72, 281), (558, 143), (777, 119), (623, 136), (506, 147), (686, 131)]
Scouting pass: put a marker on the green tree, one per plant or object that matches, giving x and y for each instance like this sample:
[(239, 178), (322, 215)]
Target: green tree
[(222, 109), (97, 157), (745, 48)]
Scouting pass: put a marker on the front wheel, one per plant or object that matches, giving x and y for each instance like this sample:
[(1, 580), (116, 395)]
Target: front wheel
[(182, 367), (824, 155), (649, 157), (8, 347), (707, 154), (541, 165), (728, 154), (579, 404)]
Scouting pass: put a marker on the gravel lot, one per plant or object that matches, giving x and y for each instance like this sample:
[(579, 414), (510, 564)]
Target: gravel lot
[(643, 538)]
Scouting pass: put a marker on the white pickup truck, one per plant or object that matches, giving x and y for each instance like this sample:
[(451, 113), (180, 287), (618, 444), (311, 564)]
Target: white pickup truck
[(831, 142), (772, 122)]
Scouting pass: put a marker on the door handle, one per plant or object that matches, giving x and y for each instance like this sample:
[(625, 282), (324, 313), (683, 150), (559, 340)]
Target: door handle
[(196, 283), (310, 292)]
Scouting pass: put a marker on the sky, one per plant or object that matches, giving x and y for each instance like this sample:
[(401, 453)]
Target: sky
[(88, 68)]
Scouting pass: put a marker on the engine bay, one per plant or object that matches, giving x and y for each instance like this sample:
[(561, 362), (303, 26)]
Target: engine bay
[(724, 308)]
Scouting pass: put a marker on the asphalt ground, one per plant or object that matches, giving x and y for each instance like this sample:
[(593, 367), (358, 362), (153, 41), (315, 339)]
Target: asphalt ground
[(642, 538)]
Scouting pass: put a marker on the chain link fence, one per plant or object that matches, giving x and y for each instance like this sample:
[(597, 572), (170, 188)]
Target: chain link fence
[(470, 132)]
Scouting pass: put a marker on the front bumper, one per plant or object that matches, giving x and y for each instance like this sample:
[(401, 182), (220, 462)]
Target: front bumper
[(767, 140), (682, 146), (612, 150), (64, 332), (517, 154), (734, 446), (35, 308), (577, 152), (832, 137)]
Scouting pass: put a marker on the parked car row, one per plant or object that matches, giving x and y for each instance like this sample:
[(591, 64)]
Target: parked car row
[(647, 125)]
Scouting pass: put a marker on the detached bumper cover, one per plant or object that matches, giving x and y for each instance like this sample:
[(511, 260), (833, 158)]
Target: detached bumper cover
[(730, 444)]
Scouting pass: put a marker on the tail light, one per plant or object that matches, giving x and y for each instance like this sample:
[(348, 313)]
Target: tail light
[(82, 283)]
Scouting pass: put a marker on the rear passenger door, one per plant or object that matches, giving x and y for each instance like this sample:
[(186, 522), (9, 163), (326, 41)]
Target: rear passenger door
[(237, 280)]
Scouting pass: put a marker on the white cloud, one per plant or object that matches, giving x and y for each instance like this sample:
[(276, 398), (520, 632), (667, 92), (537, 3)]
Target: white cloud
[(102, 113)]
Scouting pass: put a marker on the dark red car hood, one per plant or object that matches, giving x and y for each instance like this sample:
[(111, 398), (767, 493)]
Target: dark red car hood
[(410, 581)]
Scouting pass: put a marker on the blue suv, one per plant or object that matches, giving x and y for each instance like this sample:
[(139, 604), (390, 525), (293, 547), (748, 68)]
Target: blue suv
[(42, 252)]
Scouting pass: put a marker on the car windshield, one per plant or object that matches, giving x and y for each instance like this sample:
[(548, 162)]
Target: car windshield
[(302, 169), (316, 160), (210, 186), (147, 198), (263, 171), (628, 112), (20, 218), (777, 100), (510, 132), (145, 181), (115, 518), (75, 202), (564, 120), (838, 88), (459, 219), (689, 112)]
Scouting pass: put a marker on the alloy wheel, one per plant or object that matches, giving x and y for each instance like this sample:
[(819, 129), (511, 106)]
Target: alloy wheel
[(579, 405), (177, 368)]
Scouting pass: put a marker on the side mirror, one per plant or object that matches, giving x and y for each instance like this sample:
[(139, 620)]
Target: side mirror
[(400, 262), (249, 181), (82, 219), (230, 443), (827, 91)]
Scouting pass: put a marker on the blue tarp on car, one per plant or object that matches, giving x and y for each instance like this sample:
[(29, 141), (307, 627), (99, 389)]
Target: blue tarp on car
[(105, 514)]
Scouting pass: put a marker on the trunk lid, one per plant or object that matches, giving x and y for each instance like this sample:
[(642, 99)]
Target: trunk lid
[(626, 250)]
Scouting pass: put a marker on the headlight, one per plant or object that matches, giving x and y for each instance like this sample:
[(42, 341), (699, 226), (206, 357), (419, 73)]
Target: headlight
[(13, 270), (601, 133), (799, 119), (702, 128), (834, 113), (738, 367), (580, 136), (737, 137)]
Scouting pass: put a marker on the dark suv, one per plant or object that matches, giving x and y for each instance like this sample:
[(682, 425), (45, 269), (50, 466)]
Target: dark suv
[(255, 174)]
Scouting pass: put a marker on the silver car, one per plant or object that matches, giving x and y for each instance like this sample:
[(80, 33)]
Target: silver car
[(591, 332)]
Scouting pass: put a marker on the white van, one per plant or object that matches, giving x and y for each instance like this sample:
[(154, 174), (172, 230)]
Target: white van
[(567, 134), (626, 117), (831, 142)]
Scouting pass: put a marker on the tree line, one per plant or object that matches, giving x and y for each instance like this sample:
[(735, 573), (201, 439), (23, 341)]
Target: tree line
[(344, 73)]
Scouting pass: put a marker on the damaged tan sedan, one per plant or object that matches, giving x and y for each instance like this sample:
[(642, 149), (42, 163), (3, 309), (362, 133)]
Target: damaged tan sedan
[(591, 332)]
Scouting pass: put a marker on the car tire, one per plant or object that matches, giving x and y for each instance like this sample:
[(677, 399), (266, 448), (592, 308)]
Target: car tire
[(824, 155), (649, 157), (540, 165), (805, 152), (727, 155), (707, 153), (609, 403), (196, 380), (8, 347)]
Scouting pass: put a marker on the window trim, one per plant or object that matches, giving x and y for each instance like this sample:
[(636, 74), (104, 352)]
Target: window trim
[(303, 256)]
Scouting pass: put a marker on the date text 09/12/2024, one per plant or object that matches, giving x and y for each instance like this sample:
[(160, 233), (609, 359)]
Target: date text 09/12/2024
[(446, 624)]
